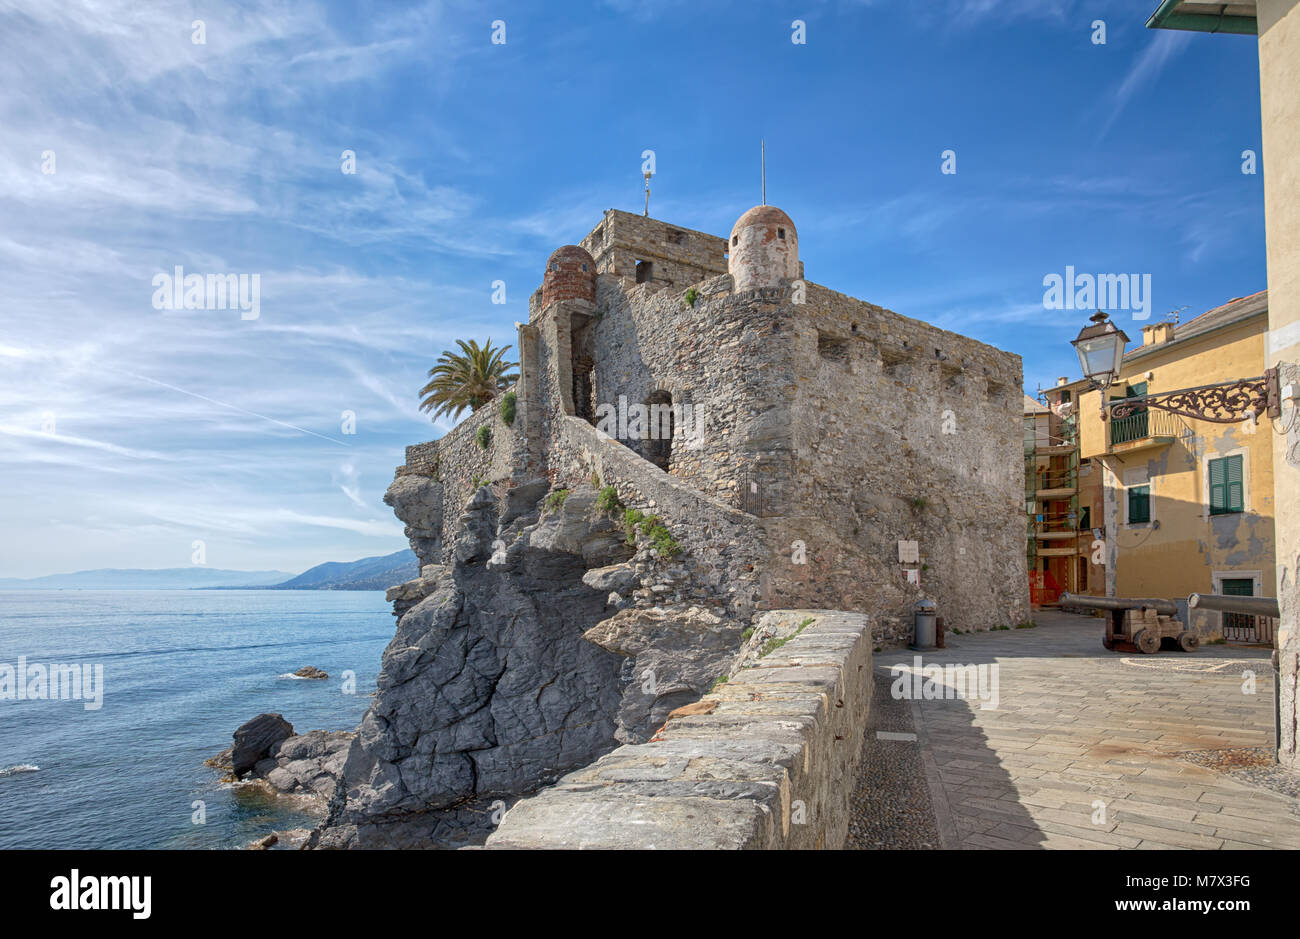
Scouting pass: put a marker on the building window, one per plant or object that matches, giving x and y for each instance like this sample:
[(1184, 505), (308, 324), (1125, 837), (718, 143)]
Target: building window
[(643, 271), (1085, 518), (735, 240), (1139, 504), (1065, 397), (1226, 491), (780, 233)]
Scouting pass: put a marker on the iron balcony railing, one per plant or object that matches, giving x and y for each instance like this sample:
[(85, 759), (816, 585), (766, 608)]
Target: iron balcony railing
[(1144, 425)]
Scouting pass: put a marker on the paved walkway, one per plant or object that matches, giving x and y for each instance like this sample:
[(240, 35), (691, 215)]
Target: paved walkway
[(1085, 749)]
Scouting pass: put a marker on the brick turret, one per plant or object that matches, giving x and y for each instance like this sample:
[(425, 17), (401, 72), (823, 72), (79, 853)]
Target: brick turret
[(570, 275)]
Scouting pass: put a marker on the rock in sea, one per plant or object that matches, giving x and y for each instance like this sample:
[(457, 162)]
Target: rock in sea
[(253, 741)]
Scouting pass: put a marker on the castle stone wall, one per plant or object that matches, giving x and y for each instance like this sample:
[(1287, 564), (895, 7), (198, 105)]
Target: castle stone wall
[(679, 256), (725, 358), (438, 479), (906, 432)]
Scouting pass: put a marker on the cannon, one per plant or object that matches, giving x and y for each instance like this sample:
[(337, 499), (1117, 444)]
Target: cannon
[(1138, 624), (1251, 606)]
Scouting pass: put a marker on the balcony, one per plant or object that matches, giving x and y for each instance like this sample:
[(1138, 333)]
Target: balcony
[(1048, 486), (1145, 430)]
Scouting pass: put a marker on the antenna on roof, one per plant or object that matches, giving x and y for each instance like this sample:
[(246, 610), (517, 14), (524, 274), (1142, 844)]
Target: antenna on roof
[(763, 146)]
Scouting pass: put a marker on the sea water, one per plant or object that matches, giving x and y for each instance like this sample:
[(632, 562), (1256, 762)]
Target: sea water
[(181, 669)]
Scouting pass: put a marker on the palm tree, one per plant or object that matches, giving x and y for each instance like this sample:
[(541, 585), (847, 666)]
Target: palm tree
[(465, 381)]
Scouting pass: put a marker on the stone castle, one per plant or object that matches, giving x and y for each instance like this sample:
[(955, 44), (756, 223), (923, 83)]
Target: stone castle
[(699, 437), (823, 434)]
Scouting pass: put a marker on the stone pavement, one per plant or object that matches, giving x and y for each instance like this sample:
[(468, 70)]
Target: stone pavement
[(1085, 749)]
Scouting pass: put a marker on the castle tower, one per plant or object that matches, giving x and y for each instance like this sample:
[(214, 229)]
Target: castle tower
[(570, 275), (764, 248)]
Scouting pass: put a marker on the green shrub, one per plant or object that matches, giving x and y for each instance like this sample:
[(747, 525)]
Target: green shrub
[(608, 501), (478, 482), (508, 403), (664, 542), (718, 683), (555, 501), (484, 437), (692, 295), (744, 637), (631, 519)]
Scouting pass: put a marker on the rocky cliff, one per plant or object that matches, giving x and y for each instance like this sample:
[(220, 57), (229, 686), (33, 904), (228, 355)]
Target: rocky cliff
[(523, 658)]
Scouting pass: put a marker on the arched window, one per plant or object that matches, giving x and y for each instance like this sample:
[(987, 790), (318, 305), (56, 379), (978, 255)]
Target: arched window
[(660, 429)]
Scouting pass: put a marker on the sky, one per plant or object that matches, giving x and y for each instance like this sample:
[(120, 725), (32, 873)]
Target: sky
[(133, 435)]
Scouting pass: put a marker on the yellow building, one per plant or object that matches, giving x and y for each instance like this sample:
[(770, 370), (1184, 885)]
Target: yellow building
[(1187, 505)]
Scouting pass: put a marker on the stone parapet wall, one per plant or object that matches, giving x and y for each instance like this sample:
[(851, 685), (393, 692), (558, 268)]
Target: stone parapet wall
[(764, 761)]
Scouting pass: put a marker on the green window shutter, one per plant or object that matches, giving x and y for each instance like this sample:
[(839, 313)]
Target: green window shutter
[(1227, 493), (1139, 504), (1236, 490), (1218, 487)]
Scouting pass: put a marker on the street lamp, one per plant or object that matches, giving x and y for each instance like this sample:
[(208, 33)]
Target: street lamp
[(1101, 355), (1101, 350)]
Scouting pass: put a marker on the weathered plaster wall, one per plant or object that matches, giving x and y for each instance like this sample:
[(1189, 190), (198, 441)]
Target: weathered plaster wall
[(759, 763), (1279, 77)]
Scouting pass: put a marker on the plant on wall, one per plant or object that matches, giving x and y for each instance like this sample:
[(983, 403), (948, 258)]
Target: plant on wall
[(508, 403), (484, 437)]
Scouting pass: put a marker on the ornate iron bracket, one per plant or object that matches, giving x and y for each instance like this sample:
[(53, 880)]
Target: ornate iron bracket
[(1229, 402)]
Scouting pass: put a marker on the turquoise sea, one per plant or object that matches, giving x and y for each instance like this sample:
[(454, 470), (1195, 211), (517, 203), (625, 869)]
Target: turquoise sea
[(181, 670)]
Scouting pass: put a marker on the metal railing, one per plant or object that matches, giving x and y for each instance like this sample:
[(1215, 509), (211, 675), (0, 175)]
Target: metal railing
[(1144, 425)]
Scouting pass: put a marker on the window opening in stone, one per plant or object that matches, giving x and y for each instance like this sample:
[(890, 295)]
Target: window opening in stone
[(659, 417)]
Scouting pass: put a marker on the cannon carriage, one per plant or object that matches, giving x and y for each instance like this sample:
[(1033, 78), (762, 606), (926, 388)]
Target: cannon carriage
[(1138, 624)]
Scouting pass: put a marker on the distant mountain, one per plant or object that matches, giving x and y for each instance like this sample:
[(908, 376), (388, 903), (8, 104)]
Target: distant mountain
[(378, 573), (171, 578)]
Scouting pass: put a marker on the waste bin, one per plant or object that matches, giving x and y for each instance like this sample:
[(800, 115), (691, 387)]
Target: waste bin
[(923, 630)]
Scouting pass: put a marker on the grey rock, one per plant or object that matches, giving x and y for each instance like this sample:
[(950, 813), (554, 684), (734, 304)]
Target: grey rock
[(488, 688), (417, 501), (616, 578), (677, 655), (253, 741)]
